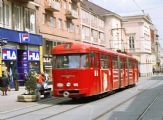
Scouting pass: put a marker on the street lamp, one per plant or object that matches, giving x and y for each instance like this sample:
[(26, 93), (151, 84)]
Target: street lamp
[(3, 41)]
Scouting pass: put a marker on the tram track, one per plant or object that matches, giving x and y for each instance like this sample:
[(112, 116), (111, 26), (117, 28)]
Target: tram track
[(62, 112), (52, 102), (149, 106), (40, 102)]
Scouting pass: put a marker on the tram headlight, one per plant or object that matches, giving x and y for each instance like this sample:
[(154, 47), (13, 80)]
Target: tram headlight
[(75, 84), (68, 84), (60, 85)]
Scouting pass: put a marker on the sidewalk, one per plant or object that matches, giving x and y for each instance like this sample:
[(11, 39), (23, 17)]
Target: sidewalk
[(9, 102)]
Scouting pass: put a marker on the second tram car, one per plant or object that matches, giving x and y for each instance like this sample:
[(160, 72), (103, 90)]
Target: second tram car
[(81, 70)]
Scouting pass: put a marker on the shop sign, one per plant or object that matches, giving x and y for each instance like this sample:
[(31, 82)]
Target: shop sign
[(9, 54), (24, 37), (33, 56)]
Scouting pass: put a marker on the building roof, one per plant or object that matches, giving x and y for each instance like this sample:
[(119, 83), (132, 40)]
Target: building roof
[(145, 17), (96, 9)]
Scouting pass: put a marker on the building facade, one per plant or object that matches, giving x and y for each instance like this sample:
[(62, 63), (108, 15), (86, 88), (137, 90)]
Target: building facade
[(92, 24), (33, 27), (115, 33), (58, 22), (18, 28), (139, 41), (101, 27), (155, 47)]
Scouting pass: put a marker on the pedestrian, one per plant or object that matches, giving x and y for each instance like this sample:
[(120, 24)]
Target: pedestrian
[(25, 76), (16, 82), (0, 83), (40, 81), (5, 83), (46, 79), (153, 70)]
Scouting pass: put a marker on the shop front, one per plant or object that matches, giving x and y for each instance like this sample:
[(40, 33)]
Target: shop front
[(21, 53), (9, 60)]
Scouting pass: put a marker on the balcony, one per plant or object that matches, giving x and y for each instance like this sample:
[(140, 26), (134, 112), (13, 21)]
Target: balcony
[(71, 14), (23, 1), (53, 6)]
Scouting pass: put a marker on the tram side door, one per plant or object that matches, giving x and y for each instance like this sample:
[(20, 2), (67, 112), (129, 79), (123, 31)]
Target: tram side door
[(104, 73), (95, 87)]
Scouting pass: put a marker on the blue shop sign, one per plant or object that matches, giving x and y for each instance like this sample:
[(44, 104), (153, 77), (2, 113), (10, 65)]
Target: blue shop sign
[(24, 37), (34, 55), (9, 54)]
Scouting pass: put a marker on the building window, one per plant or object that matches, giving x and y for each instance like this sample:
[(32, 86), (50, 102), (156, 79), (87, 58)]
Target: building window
[(102, 39), (85, 33), (64, 4), (131, 42), (70, 27), (60, 24), (7, 15), (65, 25), (77, 29), (30, 18), (95, 36), (1, 14), (17, 17), (52, 22), (43, 18)]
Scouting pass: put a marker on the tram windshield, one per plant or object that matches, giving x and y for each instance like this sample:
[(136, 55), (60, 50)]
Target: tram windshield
[(69, 61)]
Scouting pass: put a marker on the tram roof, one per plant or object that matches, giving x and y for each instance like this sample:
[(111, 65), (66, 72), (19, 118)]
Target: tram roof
[(75, 47)]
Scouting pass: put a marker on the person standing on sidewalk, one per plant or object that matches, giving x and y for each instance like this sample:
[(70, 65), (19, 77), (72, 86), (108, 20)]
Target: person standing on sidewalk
[(5, 83), (16, 82)]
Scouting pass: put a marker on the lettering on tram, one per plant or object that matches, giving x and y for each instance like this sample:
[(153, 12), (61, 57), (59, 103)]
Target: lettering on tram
[(83, 70)]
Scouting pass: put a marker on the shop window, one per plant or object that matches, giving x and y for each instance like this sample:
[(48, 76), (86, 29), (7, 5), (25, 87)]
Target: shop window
[(49, 46), (33, 48)]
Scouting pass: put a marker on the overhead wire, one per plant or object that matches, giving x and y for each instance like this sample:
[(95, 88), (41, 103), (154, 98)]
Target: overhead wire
[(138, 6)]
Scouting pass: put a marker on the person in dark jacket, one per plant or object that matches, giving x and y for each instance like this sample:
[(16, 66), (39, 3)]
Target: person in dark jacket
[(5, 83), (16, 82)]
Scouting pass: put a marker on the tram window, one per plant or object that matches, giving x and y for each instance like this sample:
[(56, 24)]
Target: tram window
[(125, 63), (54, 63), (121, 63), (115, 63), (104, 61), (84, 61), (94, 60), (71, 61), (130, 64)]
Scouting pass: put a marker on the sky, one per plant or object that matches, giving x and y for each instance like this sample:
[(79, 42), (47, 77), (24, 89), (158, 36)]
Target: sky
[(154, 8)]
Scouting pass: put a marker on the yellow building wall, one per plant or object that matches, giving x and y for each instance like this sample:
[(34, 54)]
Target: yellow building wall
[(41, 59)]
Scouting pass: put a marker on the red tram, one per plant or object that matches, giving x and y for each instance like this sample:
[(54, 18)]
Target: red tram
[(84, 70)]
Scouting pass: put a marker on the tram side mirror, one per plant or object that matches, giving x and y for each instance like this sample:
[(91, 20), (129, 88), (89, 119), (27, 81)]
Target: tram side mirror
[(92, 54)]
